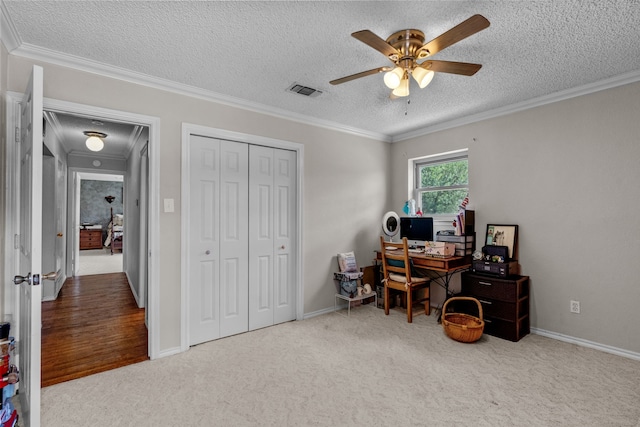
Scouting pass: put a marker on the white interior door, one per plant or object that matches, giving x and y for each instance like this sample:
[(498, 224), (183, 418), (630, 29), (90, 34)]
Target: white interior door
[(261, 238), (30, 264), (144, 231), (61, 204), (218, 233), (75, 227), (234, 244), (285, 202), (204, 242), (272, 192)]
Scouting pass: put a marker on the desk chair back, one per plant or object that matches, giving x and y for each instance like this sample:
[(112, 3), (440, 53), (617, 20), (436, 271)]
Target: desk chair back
[(397, 275), (396, 264)]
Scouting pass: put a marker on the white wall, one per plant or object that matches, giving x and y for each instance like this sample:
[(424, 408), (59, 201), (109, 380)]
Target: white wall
[(567, 174), (345, 177)]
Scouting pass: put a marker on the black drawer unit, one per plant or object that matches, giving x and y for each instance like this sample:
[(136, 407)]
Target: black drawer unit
[(505, 303)]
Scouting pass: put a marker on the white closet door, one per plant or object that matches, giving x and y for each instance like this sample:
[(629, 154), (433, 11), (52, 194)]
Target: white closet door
[(285, 228), (271, 224), (234, 238), (242, 222), (204, 242), (218, 237)]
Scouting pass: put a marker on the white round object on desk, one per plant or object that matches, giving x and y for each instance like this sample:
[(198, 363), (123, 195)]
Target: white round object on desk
[(391, 224)]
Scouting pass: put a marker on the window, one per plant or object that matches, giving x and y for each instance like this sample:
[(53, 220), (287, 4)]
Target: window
[(441, 183)]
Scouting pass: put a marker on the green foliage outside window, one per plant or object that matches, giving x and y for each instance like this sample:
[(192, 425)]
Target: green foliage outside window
[(443, 186)]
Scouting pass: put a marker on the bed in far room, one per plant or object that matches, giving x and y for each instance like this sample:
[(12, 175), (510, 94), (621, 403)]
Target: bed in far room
[(115, 233)]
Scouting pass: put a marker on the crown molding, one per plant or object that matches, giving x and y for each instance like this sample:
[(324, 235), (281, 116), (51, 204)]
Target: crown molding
[(8, 33), (37, 53), (623, 79)]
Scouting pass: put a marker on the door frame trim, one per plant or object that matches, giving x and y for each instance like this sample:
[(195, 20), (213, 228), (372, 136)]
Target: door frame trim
[(189, 129), (13, 99)]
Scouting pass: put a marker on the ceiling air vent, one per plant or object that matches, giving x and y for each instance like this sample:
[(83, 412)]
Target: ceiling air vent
[(304, 90)]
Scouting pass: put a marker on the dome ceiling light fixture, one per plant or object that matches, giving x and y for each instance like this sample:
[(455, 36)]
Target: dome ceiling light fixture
[(95, 140), (405, 48)]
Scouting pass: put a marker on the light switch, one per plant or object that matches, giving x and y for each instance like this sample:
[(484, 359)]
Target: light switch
[(168, 205)]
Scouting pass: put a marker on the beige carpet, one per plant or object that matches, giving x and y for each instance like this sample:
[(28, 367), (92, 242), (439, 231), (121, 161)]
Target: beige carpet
[(99, 261), (366, 370)]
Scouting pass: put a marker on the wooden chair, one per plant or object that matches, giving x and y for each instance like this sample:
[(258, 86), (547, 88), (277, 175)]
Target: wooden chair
[(397, 275)]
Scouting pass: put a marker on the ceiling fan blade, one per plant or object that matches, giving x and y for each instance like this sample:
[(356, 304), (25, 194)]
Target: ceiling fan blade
[(369, 38), (464, 68), (358, 75), (460, 32)]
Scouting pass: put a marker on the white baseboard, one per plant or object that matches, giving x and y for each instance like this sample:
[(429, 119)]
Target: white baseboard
[(133, 291), (586, 343), (169, 352), (318, 313)]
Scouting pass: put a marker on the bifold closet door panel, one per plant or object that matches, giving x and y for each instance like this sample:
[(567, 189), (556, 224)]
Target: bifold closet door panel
[(203, 235), (285, 201), (261, 239), (272, 182), (234, 238)]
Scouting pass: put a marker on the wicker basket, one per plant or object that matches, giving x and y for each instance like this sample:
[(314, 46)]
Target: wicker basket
[(462, 327)]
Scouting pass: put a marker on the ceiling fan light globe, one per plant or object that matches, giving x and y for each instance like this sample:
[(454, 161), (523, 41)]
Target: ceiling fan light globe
[(403, 89), (393, 78), (422, 77), (94, 143)]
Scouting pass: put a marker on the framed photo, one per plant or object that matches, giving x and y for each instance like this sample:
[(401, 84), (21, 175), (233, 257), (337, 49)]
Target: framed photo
[(503, 235)]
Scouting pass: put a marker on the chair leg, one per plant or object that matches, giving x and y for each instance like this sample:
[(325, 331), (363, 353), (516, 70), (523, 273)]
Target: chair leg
[(409, 305), (386, 299), (427, 303)]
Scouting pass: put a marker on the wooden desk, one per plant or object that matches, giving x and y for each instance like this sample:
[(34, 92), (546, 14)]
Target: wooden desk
[(439, 269)]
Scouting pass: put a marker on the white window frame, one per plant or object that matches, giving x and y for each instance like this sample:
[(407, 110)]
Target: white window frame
[(417, 163)]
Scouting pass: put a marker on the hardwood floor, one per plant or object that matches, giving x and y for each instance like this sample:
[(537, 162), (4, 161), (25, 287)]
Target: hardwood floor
[(93, 326)]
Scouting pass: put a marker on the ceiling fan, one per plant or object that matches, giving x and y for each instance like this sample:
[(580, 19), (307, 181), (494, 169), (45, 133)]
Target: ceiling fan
[(405, 48)]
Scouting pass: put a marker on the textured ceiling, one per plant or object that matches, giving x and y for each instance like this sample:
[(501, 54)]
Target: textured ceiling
[(70, 129), (249, 53)]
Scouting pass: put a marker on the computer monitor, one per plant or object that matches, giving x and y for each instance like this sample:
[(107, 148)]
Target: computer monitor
[(417, 230)]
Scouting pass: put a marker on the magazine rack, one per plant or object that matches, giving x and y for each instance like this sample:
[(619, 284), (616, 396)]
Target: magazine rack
[(347, 280)]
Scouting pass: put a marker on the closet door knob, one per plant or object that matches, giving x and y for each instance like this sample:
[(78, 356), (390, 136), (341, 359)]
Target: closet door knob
[(208, 252), (282, 247)]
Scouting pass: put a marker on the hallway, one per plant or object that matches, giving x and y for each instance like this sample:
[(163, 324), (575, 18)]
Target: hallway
[(93, 326)]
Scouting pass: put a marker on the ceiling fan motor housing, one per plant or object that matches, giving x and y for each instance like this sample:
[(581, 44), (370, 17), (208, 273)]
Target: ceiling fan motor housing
[(408, 43)]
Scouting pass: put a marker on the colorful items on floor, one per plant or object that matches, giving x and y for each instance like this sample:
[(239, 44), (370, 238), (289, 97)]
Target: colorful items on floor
[(9, 375)]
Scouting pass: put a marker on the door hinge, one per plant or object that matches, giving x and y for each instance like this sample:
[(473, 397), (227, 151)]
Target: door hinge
[(16, 241), (17, 135)]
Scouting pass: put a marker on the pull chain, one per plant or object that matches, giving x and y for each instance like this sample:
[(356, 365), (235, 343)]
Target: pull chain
[(406, 109)]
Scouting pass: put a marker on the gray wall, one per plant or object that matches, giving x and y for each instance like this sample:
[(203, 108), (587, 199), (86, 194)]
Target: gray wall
[(94, 209), (340, 170), (132, 219), (564, 172), (567, 173)]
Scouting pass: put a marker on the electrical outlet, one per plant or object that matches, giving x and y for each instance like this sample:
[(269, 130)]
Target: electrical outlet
[(575, 306)]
